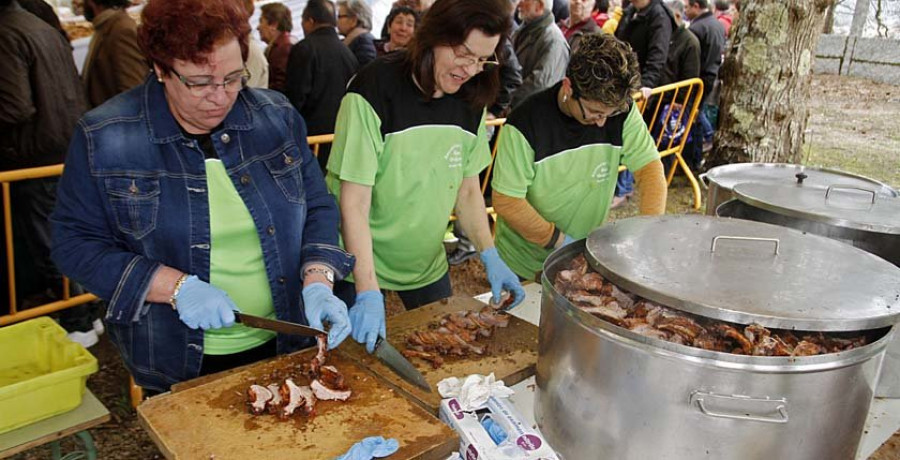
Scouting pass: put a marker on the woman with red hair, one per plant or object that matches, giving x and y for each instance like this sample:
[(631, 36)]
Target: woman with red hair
[(192, 196)]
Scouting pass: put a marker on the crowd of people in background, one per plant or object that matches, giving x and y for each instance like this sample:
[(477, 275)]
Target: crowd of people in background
[(341, 79)]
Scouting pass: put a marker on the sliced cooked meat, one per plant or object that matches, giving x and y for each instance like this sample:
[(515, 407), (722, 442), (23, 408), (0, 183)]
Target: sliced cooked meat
[(258, 397), (328, 394)]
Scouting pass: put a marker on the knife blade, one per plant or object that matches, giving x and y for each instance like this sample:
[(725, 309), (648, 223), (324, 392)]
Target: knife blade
[(284, 327), (396, 361)]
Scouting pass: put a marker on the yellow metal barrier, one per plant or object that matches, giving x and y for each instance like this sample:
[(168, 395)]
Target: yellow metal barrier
[(6, 178), (683, 94)]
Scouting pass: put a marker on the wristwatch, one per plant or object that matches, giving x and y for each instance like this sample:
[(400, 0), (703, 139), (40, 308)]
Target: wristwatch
[(326, 272)]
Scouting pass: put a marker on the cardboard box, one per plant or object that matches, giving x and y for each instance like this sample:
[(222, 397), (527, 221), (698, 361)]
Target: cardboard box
[(521, 443)]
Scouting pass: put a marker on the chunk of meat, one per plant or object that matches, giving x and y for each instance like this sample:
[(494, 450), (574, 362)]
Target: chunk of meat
[(258, 397), (434, 359), (610, 311), (805, 348), (729, 332), (276, 402), (681, 325), (649, 331), (331, 377), (293, 397), (328, 394)]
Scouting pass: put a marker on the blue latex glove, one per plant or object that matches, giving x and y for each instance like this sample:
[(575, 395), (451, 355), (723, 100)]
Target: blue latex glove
[(494, 430), (367, 318), (320, 304), (567, 239), (371, 447), (203, 305), (501, 277)]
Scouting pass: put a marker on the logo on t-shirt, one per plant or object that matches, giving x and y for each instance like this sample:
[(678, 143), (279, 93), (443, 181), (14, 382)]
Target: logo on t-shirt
[(601, 173), (454, 156)]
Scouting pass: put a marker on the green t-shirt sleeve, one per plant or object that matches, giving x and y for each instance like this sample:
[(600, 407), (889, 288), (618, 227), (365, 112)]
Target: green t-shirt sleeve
[(357, 141), (514, 165), (479, 156), (638, 147)]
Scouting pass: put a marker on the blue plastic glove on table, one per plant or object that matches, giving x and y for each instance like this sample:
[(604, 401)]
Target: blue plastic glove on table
[(367, 318), (320, 305), (371, 447), (202, 305), (501, 277)]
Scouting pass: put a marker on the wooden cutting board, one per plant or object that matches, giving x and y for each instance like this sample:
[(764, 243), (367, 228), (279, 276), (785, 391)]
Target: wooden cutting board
[(211, 420), (512, 357)]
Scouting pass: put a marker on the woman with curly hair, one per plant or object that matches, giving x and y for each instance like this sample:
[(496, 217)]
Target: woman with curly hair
[(191, 196), (559, 151)]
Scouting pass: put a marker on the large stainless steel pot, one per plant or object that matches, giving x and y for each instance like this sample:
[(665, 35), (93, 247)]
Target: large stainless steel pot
[(606, 392), (721, 180), (855, 216)]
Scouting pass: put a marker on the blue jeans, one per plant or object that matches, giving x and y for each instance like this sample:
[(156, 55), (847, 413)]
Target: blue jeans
[(625, 183)]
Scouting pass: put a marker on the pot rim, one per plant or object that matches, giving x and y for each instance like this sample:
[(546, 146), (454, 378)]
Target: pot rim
[(718, 172), (749, 193)]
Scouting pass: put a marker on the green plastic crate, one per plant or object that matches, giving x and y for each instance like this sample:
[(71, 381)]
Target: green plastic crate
[(42, 372)]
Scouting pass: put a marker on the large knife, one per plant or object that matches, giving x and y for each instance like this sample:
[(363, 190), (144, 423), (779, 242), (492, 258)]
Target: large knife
[(393, 359), (284, 327)]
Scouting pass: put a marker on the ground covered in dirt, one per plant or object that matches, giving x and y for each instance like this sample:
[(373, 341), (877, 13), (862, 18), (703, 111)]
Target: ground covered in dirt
[(853, 126)]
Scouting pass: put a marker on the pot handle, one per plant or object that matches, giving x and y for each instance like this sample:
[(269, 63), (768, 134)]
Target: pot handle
[(716, 239), (738, 407), (702, 181), (848, 187)]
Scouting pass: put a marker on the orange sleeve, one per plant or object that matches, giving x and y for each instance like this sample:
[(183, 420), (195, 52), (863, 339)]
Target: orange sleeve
[(651, 186), (523, 218)]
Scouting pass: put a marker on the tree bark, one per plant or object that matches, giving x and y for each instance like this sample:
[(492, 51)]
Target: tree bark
[(829, 18), (766, 80)]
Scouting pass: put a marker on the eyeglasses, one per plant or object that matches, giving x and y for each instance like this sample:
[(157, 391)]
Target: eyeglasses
[(203, 85), (463, 56), (591, 116)]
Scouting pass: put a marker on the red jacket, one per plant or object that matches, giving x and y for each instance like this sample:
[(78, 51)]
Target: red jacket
[(726, 19), (277, 54)]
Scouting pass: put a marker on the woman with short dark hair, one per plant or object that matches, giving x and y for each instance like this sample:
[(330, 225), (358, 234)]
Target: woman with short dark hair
[(192, 196), (399, 28), (409, 143)]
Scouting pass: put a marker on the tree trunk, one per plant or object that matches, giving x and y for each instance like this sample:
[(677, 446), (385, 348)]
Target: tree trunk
[(766, 79), (829, 18)]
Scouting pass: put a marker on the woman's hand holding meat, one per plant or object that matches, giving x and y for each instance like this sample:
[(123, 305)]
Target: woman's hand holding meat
[(501, 277), (321, 305)]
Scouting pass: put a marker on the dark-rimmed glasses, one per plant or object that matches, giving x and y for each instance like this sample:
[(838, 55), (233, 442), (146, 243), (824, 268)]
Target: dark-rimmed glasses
[(463, 56), (203, 85), (591, 116)]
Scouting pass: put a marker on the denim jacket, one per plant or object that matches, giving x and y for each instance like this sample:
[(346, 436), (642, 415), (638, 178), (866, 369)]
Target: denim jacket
[(133, 197)]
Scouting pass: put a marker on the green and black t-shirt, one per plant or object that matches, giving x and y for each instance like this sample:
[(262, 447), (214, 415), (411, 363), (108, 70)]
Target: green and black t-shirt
[(567, 171), (414, 154)]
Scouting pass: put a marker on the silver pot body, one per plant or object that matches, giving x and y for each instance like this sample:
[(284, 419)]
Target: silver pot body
[(720, 180), (605, 392), (886, 246)]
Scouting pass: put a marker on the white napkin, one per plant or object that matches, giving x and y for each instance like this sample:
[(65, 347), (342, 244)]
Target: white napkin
[(474, 391)]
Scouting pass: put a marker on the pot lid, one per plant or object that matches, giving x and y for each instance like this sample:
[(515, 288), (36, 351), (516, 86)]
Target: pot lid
[(748, 272), (727, 176), (858, 208)]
